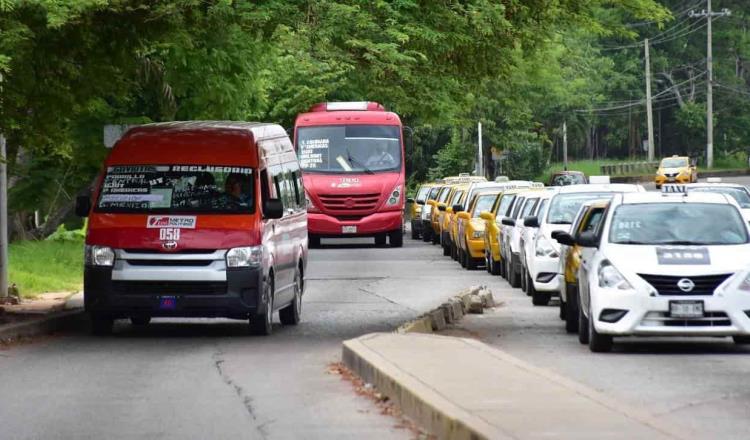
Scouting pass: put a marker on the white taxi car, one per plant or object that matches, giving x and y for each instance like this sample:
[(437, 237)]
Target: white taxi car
[(666, 265), (739, 193), (543, 263)]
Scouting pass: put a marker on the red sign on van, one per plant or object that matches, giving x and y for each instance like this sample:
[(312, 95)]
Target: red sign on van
[(171, 221)]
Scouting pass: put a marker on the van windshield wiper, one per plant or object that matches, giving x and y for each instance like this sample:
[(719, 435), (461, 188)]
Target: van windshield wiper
[(354, 161)]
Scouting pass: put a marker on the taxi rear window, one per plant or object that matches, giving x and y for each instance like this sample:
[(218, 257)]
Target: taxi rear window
[(677, 224)]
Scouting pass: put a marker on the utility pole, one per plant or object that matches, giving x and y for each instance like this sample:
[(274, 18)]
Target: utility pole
[(649, 112), (480, 165), (709, 15), (3, 211), (565, 145)]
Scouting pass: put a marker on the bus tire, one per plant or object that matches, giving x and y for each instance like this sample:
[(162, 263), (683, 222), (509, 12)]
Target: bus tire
[(396, 238)]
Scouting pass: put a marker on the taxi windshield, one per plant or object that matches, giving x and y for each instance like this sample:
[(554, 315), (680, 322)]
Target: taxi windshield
[(674, 163), (422, 194), (163, 189), (739, 194), (677, 224), (484, 203), (564, 207)]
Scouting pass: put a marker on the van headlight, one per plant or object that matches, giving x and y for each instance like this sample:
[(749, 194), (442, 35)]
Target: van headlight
[(611, 277), (395, 196), (249, 256), (99, 256), (545, 249)]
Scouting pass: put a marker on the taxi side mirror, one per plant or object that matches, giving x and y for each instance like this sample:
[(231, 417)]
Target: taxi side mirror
[(509, 222), (457, 208), (554, 234), (420, 202), (563, 238), (486, 215), (531, 221), (83, 206), (587, 239), (463, 215), (441, 207), (449, 210), (409, 200)]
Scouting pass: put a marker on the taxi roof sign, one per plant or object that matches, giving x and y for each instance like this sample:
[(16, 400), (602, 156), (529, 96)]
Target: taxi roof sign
[(713, 180), (599, 179), (674, 189)]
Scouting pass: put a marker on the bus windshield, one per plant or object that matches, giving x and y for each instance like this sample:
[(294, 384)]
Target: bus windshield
[(349, 148)]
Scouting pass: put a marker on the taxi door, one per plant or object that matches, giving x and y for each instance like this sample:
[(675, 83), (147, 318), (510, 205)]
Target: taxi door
[(592, 223)]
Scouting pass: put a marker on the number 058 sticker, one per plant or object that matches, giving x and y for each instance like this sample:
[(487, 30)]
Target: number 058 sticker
[(169, 234)]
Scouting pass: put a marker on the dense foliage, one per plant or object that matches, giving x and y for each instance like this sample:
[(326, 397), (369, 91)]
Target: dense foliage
[(519, 67)]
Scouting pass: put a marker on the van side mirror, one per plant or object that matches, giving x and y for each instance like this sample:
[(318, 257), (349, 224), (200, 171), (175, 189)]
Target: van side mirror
[(531, 221), (273, 209), (457, 208), (587, 239), (83, 206), (564, 238), (509, 221)]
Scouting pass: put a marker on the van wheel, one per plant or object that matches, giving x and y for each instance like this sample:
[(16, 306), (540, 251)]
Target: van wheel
[(571, 309), (262, 324), (101, 324), (583, 325), (380, 240), (140, 321), (741, 340), (313, 241), (290, 315), (396, 238)]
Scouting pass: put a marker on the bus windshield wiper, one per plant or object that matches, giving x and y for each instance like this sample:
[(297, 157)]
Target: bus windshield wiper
[(354, 161)]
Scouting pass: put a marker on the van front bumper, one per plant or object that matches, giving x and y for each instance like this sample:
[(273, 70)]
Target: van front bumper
[(325, 225), (237, 297)]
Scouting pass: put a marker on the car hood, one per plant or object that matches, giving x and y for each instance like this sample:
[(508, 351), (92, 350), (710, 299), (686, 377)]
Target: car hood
[(670, 170), (678, 260)]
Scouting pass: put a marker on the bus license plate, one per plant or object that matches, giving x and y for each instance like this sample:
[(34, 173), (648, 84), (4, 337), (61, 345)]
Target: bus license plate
[(348, 229), (167, 302), (686, 309)]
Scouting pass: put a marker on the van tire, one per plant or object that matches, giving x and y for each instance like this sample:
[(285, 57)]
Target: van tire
[(313, 241), (290, 315), (741, 339), (396, 238), (101, 325), (262, 324)]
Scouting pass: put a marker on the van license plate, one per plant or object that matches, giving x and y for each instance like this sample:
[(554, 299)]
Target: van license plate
[(348, 229), (167, 302), (686, 309)]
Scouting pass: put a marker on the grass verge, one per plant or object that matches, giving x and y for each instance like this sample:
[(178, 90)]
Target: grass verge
[(46, 266)]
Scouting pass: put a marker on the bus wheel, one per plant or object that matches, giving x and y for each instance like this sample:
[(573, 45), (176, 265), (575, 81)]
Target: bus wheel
[(314, 241), (396, 238), (380, 240)]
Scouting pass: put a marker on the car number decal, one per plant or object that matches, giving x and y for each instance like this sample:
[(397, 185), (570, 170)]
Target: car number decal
[(683, 255)]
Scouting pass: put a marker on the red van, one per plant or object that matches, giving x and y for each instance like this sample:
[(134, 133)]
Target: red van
[(197, 219), (352, 156)]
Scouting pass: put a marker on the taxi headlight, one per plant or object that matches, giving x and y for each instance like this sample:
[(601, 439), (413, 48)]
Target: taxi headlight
[(611, 277), (249, 256), (477, 234), (99, 256), (545, 249), (745, 283)]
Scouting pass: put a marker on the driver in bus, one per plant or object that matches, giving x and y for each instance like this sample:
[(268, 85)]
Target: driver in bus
[(380, 156)]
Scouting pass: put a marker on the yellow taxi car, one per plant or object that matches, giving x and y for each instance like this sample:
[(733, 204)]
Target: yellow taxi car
[(676, 169), (588, 219), (455, 198), (435, 212), (471, 235), (493, 259), (415, 208)]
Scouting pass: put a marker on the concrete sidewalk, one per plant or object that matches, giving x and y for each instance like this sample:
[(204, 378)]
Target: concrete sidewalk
[(460, 389), (48, 313)]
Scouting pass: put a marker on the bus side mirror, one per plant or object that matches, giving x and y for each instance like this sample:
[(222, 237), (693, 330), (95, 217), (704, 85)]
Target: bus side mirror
[(83, 206), (273, 209), (531, 221)]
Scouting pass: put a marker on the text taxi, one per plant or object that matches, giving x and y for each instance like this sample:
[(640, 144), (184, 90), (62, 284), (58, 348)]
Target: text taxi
[(665, 265)]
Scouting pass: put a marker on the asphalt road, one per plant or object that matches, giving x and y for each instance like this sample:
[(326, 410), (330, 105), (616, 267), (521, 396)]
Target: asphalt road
[(201, 379)]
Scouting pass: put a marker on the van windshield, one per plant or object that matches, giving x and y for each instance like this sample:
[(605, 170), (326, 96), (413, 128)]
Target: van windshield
[(177, 189), (349, 148)]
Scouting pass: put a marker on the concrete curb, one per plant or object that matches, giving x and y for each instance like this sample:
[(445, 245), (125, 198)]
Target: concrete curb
[(472, 300), (40, 326), (429, 409)]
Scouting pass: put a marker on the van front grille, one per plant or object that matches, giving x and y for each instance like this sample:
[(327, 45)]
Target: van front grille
[(157, 288)]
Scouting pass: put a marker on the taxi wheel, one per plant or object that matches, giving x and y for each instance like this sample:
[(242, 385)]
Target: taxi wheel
[(462, 258), (571, 309), (562, 310), (741, 340), (495, 266), (583, 327), (140, 321), (471, 263), (435, 238), (598, 343), (514, 276), (446, 250), (414, 234), (524, 287), (454, 254), (501, 266)]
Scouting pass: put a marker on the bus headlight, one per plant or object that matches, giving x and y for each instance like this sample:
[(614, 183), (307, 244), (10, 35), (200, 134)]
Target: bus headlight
[(99, 256), (395, 196), (249, 256)]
